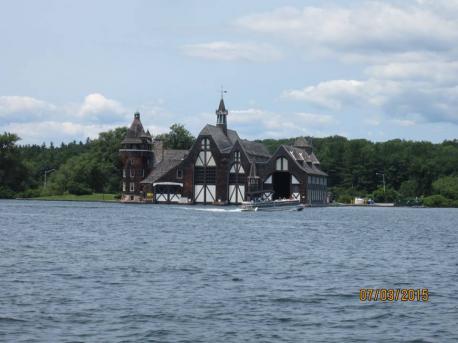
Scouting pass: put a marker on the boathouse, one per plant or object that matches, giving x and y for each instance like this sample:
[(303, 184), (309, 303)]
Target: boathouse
[(220, 168)]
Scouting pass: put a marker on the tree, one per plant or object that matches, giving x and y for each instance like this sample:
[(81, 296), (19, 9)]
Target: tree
[(447, 187), (13, 173), (177, 138)]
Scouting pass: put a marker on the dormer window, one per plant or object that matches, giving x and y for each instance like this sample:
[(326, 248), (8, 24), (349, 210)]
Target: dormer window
[(237, 156), (281, 164), (205, 144)]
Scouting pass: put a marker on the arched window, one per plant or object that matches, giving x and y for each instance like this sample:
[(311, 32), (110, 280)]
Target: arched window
[(281, 164)]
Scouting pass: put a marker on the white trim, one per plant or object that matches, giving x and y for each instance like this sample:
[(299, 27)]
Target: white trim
[(168, 184)]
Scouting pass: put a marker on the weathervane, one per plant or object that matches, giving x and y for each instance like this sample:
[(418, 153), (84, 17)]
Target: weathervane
[(222, 92)]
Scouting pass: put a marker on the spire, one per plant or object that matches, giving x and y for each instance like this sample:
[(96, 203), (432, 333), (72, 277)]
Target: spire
[(221, 113)]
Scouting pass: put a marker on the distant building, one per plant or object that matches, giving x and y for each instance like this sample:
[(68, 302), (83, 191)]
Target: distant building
[(220, 168)]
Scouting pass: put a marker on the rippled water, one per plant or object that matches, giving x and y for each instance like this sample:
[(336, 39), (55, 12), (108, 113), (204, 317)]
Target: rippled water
[(95, 272)]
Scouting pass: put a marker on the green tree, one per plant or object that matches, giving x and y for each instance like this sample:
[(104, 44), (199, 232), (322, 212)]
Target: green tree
[(447, 186), (177, 138), (13, 172)]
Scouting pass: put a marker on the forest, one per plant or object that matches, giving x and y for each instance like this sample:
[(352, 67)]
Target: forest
[(414, 173)]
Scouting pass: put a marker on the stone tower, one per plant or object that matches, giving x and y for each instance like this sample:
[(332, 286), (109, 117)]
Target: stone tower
[(137, 159)]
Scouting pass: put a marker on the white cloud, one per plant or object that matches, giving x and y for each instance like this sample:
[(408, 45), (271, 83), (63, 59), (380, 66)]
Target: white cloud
[(254, 123), (367, 28), (232, 51), (96, 103), (406, 99), (23, 108), (434, 71), (55, 131)]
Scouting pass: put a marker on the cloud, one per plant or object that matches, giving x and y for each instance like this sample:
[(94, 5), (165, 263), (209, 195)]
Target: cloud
[(433, 71), (364, 29), (96, 103), (231, 51), (23, 108), (256, 123), (36, 120), (406, 99), (55, 131)]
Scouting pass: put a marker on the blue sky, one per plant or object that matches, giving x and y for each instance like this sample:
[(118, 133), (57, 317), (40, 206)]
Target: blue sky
[(362, 69)]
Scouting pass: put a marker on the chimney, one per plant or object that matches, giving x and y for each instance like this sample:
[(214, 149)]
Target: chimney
[(158, 149)]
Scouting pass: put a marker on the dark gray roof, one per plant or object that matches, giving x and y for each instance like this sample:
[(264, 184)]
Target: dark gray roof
[(172, 158), (301, 155), (255, 150), (301, 142), (221, 107), (135, 132), (223, 142)]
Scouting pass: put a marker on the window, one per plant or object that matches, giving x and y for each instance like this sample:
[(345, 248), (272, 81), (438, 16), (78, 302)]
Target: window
[(143, 172), (205, 144), (179, 173), (132, 187), (132, 172), (124, 173), (123, 186), (282, 164), (237, 156)]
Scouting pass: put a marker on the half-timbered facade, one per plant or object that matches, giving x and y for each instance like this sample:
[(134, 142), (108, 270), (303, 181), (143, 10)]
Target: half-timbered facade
[(222, 168)]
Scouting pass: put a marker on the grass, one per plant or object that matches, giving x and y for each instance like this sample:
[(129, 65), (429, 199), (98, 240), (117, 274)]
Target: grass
[(86, 197)]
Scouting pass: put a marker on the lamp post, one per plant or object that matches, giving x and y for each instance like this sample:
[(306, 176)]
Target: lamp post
[(46, 173), (383, 176)]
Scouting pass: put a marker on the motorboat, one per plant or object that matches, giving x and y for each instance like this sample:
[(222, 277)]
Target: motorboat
[(272, 205)]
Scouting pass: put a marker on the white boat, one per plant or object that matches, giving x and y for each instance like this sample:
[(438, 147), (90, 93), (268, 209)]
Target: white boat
[(272, 205)]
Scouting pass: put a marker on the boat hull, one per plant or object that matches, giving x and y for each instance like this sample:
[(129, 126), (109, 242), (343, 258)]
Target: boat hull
[(270, 206)]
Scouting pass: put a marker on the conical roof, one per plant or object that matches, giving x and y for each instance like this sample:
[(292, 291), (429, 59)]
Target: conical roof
[(301, 142), (221, 107), (136, 131)]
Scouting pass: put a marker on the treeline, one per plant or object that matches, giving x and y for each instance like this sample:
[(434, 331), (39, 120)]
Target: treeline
[(74, 168), (414, 172)]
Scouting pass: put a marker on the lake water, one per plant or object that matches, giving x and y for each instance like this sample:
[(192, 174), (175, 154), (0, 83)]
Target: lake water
[(97, 272)]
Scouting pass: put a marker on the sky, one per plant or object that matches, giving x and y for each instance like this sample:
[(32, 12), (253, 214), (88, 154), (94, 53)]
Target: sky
[(378, 70)]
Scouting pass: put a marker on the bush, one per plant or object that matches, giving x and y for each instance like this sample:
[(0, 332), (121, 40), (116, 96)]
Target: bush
[(447, 187), (345, 198), (78, 189), (117, 196), (30, 193), (437, 201), (390, 195), (6, 193)]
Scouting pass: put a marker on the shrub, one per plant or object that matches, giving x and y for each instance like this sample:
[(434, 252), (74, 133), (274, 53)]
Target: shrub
[(78, 189), (30, 193), (390, 195), (437, 201), (447, 187), (345, 198), (6, 193)]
